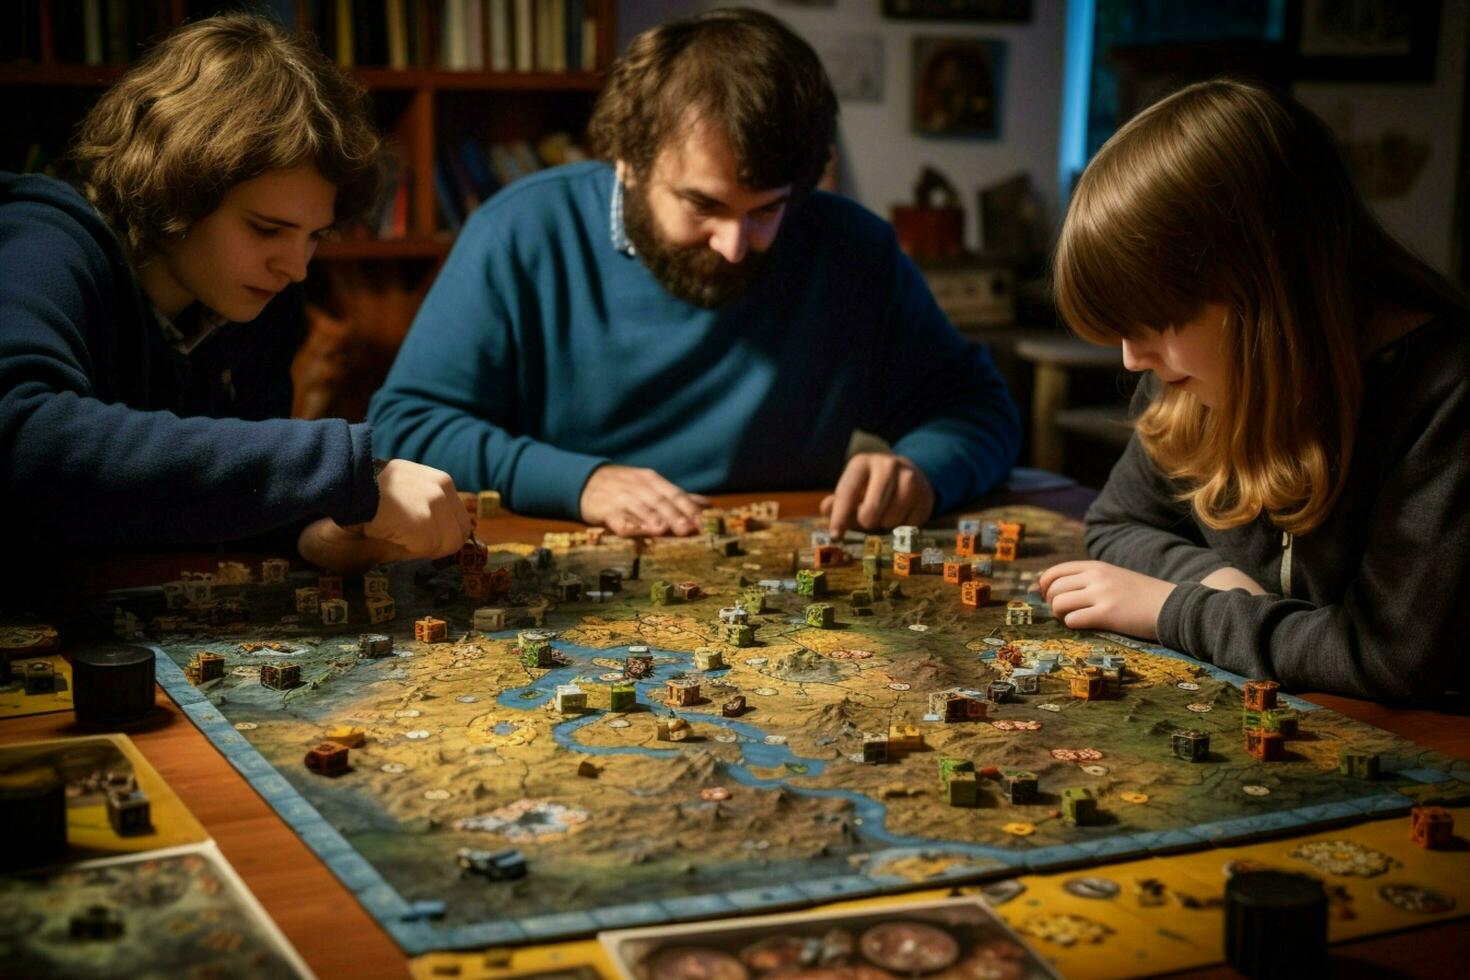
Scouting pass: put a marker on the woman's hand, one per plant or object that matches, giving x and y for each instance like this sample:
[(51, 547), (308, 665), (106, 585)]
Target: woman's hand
[(1093, 595)]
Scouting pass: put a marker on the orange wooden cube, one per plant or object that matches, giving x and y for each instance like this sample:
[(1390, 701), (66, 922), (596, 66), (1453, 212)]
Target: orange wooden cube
[(958, 571), (430, 630), (906, 563), (1260, 695), (965, 544), (1005, 549), (975, 593), (1431, 827), (1088, 686), (1014, 530), (828, 555), (1262, 744)]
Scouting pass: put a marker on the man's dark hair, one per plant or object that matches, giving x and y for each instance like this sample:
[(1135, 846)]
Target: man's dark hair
[(741, 69)]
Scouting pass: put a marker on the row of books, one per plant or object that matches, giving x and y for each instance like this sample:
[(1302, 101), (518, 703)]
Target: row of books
[(465, 176), (460, 35)]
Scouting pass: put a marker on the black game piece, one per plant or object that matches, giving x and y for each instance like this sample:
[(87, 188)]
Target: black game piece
[(1276, 924), (113, 683), (32, 817)]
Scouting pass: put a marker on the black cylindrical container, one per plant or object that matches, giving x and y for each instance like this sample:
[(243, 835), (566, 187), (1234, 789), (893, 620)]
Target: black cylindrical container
[(113, 683)]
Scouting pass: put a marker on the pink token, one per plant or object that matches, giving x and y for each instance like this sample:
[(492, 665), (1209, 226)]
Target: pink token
[(714, 793), (1004, 726), (1065, 755), (1089, 755), (1027, 726)]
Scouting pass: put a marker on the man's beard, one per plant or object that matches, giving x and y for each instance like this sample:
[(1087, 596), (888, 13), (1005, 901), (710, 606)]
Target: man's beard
[(696, 274)]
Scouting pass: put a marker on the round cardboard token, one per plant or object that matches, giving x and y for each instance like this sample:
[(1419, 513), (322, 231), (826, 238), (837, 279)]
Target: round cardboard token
[(1091, 886), (899, 686), (755, 661), (612, 675), (774, 739), (1089, 755), (680, 962), (1003, 725), (1188, 686), (712, 793), (999, 892), (1050, 707), (1133, 797), (1065, 755), (28, 640), (245, 726), (993, 641), (393, 767), (617, 723), (407, 713), (1095, 770), (437, 794), (1199, 708), (1253, 790), (1027, 726), (726, 737), (1019, 828), (1416, 898), (918, 627), (765, 692), (909, 948), (466, 699)]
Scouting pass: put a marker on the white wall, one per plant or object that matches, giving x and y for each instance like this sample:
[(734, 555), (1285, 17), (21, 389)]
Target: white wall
[(1423, 218), (881, 157)]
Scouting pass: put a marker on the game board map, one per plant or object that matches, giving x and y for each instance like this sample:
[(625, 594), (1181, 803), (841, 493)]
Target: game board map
[(462, 761), (168, 913)]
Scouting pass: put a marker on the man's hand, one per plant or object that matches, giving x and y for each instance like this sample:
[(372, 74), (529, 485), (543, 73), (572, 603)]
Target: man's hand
[(878, 490), (631, 501), (343, 550), (1230, 577), (1093, 595), (419, 513)]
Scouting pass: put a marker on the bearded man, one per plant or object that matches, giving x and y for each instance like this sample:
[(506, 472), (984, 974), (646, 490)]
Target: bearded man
[(610, 340)]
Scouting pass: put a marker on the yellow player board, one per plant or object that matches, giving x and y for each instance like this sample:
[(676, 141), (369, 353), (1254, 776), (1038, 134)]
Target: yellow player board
[(1157, 915), (85, 764), (27, 643)]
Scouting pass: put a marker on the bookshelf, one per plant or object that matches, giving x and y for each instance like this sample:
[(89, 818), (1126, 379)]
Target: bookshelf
[(515, 81)]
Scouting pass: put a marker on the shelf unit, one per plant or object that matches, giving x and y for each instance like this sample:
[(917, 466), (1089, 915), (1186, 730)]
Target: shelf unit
[(421, 112)]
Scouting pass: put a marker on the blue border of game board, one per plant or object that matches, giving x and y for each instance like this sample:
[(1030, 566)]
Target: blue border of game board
[(416, 935)]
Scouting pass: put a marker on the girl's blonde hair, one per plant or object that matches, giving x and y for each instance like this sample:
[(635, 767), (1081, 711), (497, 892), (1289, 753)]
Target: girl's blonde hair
[(1226, 192), (218, 102)]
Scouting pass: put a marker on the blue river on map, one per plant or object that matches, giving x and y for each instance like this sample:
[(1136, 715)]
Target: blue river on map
[(755, 752)]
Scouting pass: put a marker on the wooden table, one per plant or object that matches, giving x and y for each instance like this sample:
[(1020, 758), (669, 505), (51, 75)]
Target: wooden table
[(338, 939)]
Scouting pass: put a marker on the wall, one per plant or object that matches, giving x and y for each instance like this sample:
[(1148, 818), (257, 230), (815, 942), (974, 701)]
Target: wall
[(1424, 218), (881, 158)]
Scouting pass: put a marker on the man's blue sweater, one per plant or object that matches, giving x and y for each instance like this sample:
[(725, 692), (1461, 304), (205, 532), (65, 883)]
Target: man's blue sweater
[(112, 438), (546, 348)]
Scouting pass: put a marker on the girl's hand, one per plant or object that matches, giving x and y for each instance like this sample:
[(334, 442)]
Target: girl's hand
[(1093, 595)]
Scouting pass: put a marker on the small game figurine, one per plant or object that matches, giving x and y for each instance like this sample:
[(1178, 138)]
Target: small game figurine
[(40, 677), (1357, 764), (502, 865), (128, 812), (975, 594), (957, 570), (570, 698), (1431, 827), (204, 666), (487, 504), (381, 609), (811, 582), (1087, 685), (609, 580), (965, 544), (280, 677), (273, 571), (957, 704), (622, 696), (733, 708), (351, 736), (999, 691), (535, 648), (1078, 806), (821, 615), (708, 658), (1026, 680), (1191, 745), (906, 563), (682, 691), (327, 759), (1260, 695), (875, 748), (1020, 786), (1018, 612), (672, 730), (1263, 745), (308, 601), (829, 555), (334, 611), (374, 584), (430, 630), (98, 922), (905, 539)]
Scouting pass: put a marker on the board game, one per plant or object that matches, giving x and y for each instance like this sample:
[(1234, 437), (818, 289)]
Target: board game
[(529, 744)]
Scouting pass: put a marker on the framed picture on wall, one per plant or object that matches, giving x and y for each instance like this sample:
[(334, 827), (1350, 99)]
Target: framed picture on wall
[(958, 86), (1365, 40)]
